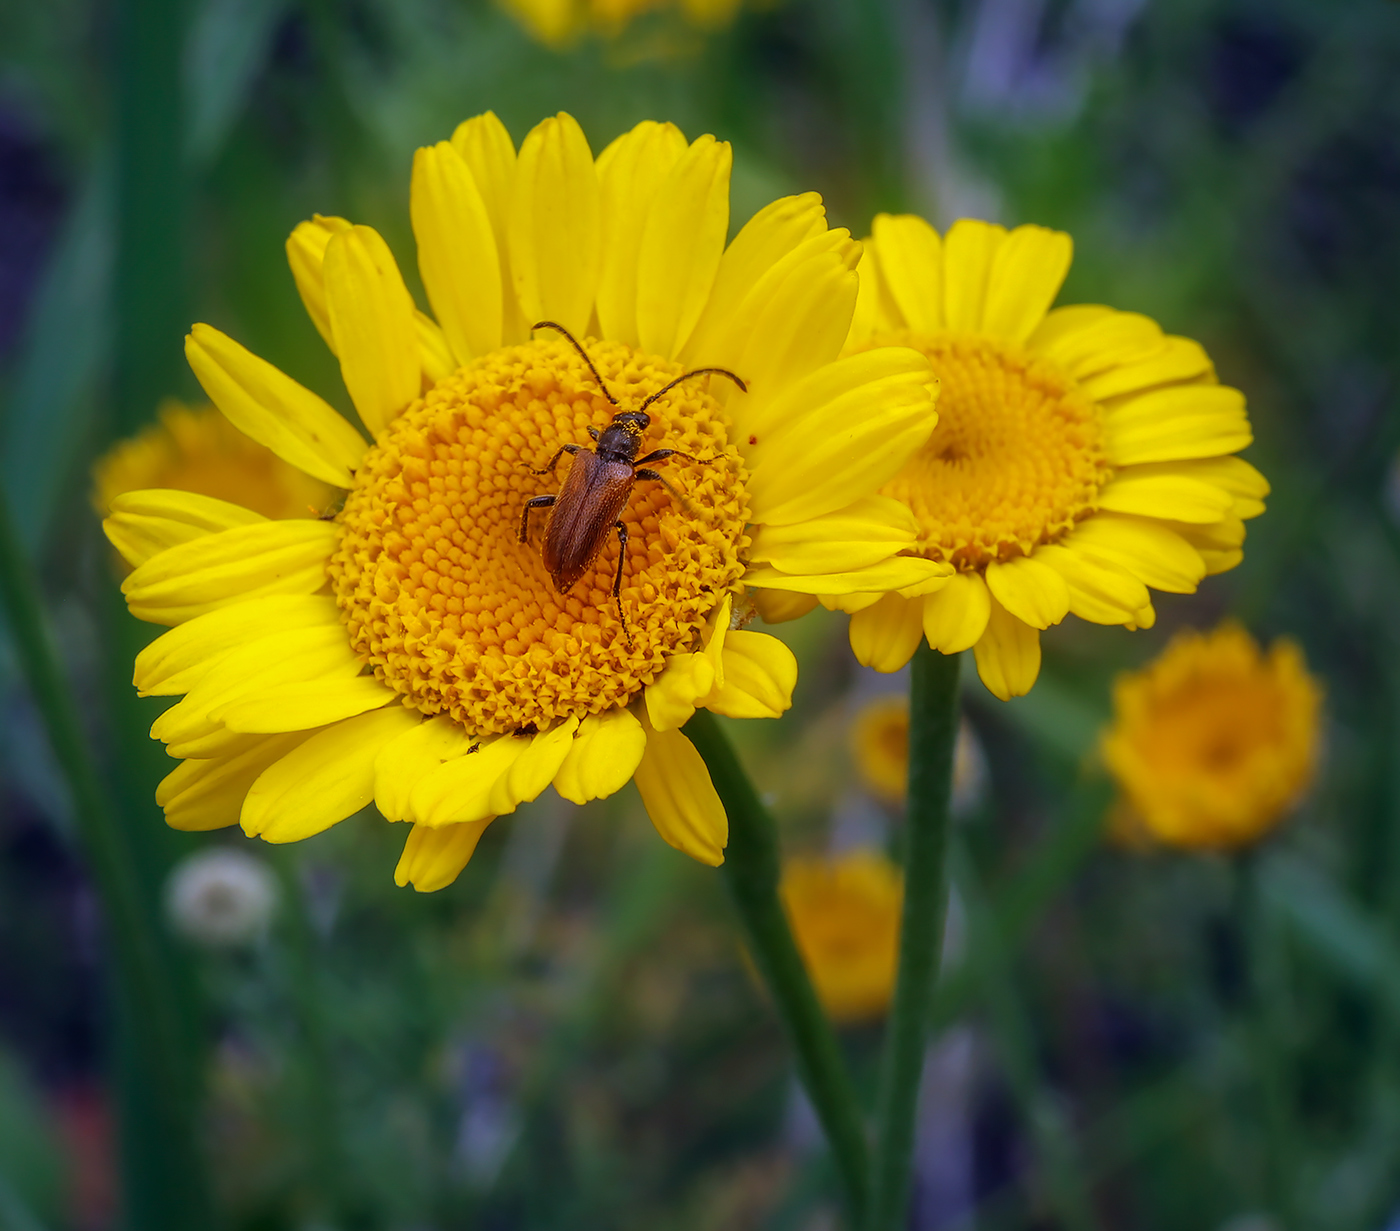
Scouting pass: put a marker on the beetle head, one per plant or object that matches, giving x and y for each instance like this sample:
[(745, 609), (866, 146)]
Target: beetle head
[(633, 422)]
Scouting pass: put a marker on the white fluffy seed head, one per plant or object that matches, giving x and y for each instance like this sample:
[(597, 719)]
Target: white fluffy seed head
[(221, 898)]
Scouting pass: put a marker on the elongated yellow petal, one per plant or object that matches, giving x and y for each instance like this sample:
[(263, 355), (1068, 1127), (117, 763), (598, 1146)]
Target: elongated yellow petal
[(208, 794), (456, 251), (1008, 654), (681, 246), (405, 761), (1152, 553), (324, 780), (760, 673), (777, 607), (1031, 591), (1087, 341), (682, 802), (910, 258), (1219, 545), (672, 697), (860, 534), (554, 226), (1027, 272), (1180, 359), (969, 250), (768, 238), (898, 573), (630, 172), (176, 661), (956, 616), (433, 858), (273, 409), (434, 354), (275, 557), (488, 151), (604, 755), (306, 253), (1173, 496), (1247, 487), (458, 791), (1060, 322), (1098, 591), (371, 315), (1181, 421), (143, 524), (876, 311), (296, 707), (886, 635), (534, 769)]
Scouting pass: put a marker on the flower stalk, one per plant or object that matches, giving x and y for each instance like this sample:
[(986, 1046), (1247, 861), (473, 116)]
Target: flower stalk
[(751, 869), (933, 729)]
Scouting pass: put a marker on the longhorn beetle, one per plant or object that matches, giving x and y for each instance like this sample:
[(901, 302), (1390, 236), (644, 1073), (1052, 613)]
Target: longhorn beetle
[(598, 485)]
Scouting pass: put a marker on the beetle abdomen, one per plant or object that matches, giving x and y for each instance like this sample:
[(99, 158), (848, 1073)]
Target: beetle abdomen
[(588, 506)]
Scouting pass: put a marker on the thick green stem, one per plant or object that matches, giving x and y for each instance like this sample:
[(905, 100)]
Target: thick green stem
[(157, 1083), (933, 730), (751, 869)]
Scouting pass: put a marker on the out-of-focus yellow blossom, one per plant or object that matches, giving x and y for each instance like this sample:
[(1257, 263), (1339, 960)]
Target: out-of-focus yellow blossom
[(844, 912), (415, 651), (1215, 740), (1082, 456), (880, 743), (557, 23), (196, 449)]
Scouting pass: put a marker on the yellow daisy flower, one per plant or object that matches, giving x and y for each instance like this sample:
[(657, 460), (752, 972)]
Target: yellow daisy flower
[(1081, 456), (844, 913), (1215, 740), (557, 23), (197, 450), (415, 651)]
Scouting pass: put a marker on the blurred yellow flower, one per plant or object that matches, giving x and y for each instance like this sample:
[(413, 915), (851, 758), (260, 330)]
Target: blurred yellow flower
[(195, 449), (880, 743), (844, 912), (415, 652), (1081, 455), (1214, 741), (557, 23)]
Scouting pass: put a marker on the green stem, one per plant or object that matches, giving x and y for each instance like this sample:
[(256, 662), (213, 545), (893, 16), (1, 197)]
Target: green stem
[(751, 869), (933, 730), (159, 1140)]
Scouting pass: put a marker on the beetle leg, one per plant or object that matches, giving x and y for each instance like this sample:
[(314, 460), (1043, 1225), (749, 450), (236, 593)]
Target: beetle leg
[(617, 581), (593, 431), (554, 461), (538, 502), (681, 498), (660, 455)]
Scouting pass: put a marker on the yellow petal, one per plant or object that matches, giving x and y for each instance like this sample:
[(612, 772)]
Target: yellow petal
[(274, 557), (681, 246), (554, 228), (299, 706), (434, 354), (630, 171), (1182, 421), (863, 533), (456, 251), (1059, 323), (372, 321), (528, 774), (306, 253), (143, 524), (1152, 553), (324, 780), (404, 762), (1008, 654), (433, 858), (1218, 545), (956, 616), (1098, 591), (969, 250), (1087, 341), (682, 802), (458, 791), (910, 257), (1026, 275), (1172, 496), (604, 755), (208, 794), (852, 602), (886, 635), (777, 607), (876, 311), (760, 673), (672, 697), (273, 409), (175, 661), (1031, 591), (899, 573), (488, 151), (1180, 359)]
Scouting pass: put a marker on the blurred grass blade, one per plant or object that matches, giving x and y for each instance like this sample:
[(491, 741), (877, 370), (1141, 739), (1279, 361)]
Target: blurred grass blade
[(228, 44), (15, 1215)]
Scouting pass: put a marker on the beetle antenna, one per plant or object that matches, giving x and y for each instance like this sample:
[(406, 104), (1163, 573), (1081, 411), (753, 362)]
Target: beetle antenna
[(743, 388), (558, 328)]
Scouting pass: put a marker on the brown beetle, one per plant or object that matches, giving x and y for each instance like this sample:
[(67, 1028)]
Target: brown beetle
[(598, 486)]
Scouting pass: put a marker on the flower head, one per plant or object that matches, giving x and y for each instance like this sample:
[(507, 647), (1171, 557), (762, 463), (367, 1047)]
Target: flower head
[(1081, 455), (221, 897), (557, 23), (415, 650), (1213, 741), (844, 912)]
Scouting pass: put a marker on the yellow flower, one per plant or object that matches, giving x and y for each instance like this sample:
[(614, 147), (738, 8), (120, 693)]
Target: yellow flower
[(1081, 455), (557, 23), (844, 913), (880, 742), (413, 652), (198, 450), (1215, 740)]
